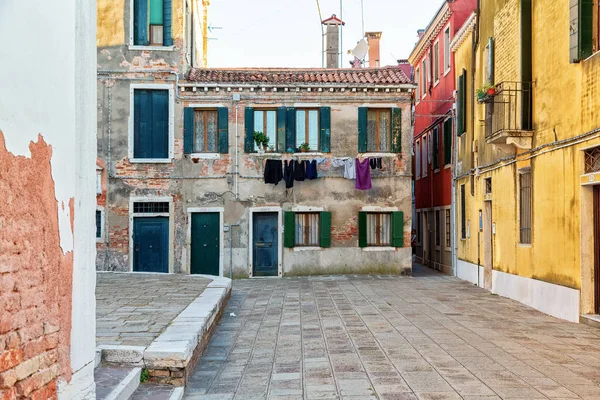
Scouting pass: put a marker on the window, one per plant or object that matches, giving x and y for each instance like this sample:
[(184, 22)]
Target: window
[(525, 207), (436, 62), (436, 149), (378, 130), (592, 160), (206, 131), (151, 207), (307, 229), (98, 224), (447, 49), (307, 128), (463, 213), (265, 121), (461, 104), (438, 228), (378, 229), (418, 158), (448, 141), (419, 227), (487, 183), (447, 230), (418, 81), (424, 156), (430, 148), (424, 79), (152, 23), (98, 181), (150, 124), (581, 29)]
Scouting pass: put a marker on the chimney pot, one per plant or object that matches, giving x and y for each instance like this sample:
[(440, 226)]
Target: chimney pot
[(373, 39)]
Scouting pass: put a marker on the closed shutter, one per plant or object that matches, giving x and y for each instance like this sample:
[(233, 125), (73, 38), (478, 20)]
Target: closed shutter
[(448, 141), (436, 148), (223, 130), (249, 125), (290, 131), (167, 22), (325, 127), (188, 130), (396, 130), (461, 105), (280, 146), (289, 229), (150, 123), (362, 131), (362, 229), (140, 22), (160, 124), (325, 226), (397, 229)]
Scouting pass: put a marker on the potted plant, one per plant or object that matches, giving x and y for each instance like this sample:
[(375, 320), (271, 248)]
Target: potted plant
[(304, 147), (261, 141), (271, 149), (481, 95), (491, 90), (486, 92)]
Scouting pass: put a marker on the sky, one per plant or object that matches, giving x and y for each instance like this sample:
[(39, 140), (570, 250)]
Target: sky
[(287, 33)]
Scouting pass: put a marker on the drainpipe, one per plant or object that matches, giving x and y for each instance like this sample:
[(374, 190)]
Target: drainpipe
[(237, 165)]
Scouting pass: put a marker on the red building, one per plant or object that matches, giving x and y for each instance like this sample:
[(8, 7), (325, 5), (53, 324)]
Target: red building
[(433, 66)]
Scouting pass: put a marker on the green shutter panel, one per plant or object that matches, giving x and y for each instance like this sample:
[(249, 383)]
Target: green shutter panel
[(280, 146), (325, 126), (167, 18), (586, 26), (140, 22), (249, 126), (459, 126), (160, 124), (188, 130), (289, 229), (156, 12), (223, 120), (362, 229), (464, 102), (396, 130), (362, 129), (436, 148), (325, 226), (397, 229), (290, 131), (448, 141), (491, 60)]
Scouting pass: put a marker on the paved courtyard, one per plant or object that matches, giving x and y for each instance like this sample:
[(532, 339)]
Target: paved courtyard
[(133, 309), (428, 336)]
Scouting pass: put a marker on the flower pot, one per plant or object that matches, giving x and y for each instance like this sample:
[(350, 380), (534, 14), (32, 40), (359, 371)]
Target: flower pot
[(303, 150), (264, 146), (491, 91)]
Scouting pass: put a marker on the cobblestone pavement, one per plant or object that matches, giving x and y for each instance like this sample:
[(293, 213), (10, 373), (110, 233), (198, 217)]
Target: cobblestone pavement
[(133, 309), (428, 336)]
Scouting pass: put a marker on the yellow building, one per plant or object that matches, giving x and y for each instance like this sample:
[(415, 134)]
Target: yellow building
[(528, 153)]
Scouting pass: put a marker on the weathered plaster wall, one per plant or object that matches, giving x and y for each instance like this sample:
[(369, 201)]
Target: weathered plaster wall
[(51, 183)]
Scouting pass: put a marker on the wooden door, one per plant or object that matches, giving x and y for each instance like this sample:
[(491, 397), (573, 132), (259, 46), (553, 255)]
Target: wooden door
[(597, 249), (265, 244), (205, 245), (488, 257), (151, 244)]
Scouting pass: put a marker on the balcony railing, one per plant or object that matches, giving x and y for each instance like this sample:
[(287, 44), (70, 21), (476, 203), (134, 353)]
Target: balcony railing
[(508, 112)]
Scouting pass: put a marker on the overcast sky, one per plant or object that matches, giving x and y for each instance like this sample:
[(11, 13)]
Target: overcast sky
[(287, 33)]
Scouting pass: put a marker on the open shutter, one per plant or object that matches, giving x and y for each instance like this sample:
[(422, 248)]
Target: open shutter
[(325, 226), (490, 76), (580, 29), (396, 130), (436, 148), (362, 229), (448, 141), (325, 126), (167, 18), (188, 130), (140, 22), (249, 125), (280, 146), (290, 131), (289, 229), (397, 229), (223, 130), (362, 129)]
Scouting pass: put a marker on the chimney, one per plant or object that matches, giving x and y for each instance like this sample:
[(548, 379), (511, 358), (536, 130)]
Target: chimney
[(373, 41), (333, 41), (420, 33)]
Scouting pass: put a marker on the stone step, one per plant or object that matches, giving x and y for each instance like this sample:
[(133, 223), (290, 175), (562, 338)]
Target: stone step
[(153, 391), (590, 319), (116, 382)]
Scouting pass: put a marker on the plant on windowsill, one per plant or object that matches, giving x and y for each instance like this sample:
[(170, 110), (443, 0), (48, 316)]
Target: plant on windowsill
[(304, 147), (486, 93), (271, 149), (261, 140)]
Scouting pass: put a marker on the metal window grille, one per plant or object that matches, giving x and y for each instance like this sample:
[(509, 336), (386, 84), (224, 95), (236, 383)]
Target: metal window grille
[(487, 185), (378, 229), (463, 214), (307, 229), (447, 228), (525, 208), (592, 160), (438, 237), (151, 207)]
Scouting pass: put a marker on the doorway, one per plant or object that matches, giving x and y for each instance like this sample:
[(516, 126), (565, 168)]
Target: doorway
[(265, 244), (205, 243), (488, 246), (596, 203), (151, 244)]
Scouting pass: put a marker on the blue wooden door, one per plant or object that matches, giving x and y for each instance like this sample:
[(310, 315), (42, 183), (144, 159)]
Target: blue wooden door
[(205, 243), (151, 244), (265, 244)]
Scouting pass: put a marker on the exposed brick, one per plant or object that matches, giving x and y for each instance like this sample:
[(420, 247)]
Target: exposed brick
[(159, 372), (33, 348), (37, 381), (51, 327), (9, 322), (13, 340), (10, 358), (51, 341), (8, 378), (31, 332), (27, 368), (7, 283), (48, 392), (8, 394)]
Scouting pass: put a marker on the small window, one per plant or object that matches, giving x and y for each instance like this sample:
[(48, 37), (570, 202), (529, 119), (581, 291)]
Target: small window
[(487, 183), (463, 213), (592, 160), (149, 23), (307, 128), (436, 148), (525, 207), (307, 229), (436, 62), (150, 124), (447, 230), (378, 229), (447, 49), (418, 80), (98, 224), (265, 121), (418, 158), (424, 156), (206, 131), (448, 141), (151, 207), (98, 181), (378, 130), (438, 228), (424, 77)]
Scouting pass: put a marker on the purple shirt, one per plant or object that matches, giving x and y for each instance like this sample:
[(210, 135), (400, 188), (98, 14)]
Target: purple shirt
[(363, 174)]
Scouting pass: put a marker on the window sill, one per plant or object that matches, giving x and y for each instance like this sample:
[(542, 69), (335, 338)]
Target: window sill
[(307, 248), (99, 240), (436, 83), (150, 160), (205, 156), (378, 154), (308, 154), (265, 154), (447, 166), (435, 171), (525, 245), (151, 48), (446, 72), (368, 249)]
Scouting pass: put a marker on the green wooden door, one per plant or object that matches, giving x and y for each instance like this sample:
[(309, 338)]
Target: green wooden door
[(205, 243)]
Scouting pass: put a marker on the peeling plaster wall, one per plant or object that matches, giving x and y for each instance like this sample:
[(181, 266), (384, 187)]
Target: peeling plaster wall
[(60, 109)]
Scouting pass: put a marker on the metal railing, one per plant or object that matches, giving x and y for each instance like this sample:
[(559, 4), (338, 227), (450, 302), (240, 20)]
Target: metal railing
[(509, 110)]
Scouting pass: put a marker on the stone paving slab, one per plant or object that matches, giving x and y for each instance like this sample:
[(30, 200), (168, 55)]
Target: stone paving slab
[(429, 336)]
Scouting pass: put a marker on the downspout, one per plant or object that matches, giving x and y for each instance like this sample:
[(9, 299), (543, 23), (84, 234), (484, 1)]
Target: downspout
[(474, 48), (237, 168)]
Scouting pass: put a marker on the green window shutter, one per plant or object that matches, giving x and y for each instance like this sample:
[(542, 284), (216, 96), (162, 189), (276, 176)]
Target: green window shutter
[(436, 148), (156, 12), (290, 131), (325, 126), (464, 101), (396, 130), (140, 22), (249, 126), (397, 229), (188, 130), (289, 229), (325, 226), (491, 60), (362, 229), (362, 129), (280, 146), (167, 21), (586, 26), (448, 141), (459, 127), (223, 120)]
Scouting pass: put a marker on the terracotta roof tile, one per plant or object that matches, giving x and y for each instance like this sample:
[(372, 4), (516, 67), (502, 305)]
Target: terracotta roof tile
[(380, 76)]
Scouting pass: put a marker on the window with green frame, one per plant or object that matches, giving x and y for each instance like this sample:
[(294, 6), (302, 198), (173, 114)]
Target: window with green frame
[(152, 21)]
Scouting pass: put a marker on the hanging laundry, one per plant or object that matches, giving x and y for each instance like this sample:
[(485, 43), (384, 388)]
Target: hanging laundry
[(299, 171), (373, 163), (311, 169), (273, 171), (363, 175), (288, 174), (321, 160), (350, 169), (379, 162)]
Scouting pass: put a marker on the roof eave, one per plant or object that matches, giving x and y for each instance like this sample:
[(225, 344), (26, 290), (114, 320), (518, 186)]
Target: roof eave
[(439, 19)]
